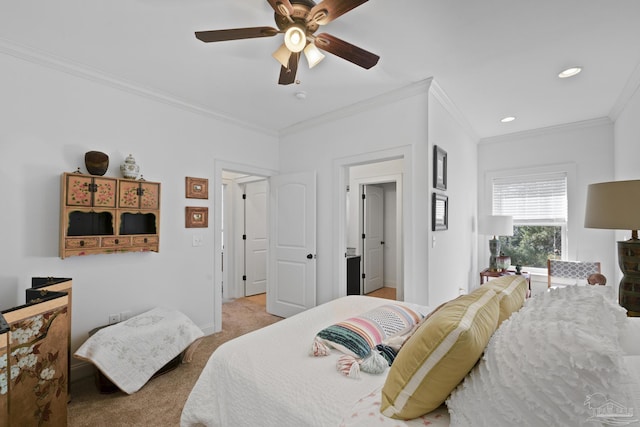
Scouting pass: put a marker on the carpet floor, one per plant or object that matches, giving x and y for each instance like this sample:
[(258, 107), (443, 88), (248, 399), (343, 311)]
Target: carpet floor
[(159, 403)]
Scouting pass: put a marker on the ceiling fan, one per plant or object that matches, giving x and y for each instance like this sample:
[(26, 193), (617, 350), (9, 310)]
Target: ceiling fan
[(298, 20)]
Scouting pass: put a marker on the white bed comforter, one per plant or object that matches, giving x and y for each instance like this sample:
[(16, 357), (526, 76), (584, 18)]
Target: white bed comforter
[(267, 378)]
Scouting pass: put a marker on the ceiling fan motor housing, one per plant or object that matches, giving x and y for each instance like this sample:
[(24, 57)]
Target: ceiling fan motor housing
[(301, 9)]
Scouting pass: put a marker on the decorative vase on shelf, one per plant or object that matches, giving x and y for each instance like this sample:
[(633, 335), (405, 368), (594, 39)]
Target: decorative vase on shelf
[(129, 168), (96, 162)]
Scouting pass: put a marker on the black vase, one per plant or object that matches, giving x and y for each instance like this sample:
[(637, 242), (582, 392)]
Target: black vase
[(96, 162)]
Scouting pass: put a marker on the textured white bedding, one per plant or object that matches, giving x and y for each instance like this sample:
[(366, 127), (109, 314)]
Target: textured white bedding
[(267, 378), (559, 361)]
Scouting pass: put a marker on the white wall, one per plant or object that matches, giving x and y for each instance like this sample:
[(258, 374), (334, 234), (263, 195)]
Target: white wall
[(588, 147), (390, 234), (451, 253), (627, 140), (49, 120)]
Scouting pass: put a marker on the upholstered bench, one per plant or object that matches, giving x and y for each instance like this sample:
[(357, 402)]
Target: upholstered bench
[(130, 353)]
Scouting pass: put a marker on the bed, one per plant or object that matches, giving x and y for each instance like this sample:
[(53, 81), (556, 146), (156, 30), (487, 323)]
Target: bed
[(269, 378)]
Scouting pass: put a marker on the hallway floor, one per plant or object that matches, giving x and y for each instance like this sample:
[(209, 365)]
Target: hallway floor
[(388, 293)]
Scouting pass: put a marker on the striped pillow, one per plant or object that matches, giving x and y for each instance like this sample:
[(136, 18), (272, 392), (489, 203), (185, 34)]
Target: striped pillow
[(439, 355), (512, 291), (356, 336)]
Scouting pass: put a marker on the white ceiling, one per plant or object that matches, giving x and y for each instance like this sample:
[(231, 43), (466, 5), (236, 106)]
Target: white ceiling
[(493, 58)]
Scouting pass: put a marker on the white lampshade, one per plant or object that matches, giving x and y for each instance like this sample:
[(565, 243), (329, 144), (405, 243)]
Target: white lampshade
[(496, 225), (313, 54), (282, 55), (613, 205), (295, 38)]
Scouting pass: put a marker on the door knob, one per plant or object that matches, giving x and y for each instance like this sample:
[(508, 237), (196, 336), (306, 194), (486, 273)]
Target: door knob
[(309, 256)]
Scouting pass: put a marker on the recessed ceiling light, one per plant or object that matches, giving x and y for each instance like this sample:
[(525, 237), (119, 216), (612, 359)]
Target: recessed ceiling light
[(507, 119), (569, 72), (301, 95)]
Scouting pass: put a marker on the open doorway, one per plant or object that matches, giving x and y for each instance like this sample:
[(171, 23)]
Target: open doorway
[(244, 250), (243, 231), (374, 227)]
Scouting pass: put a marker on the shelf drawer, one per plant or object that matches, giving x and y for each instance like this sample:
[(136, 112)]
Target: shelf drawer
[(116, 242), (145, 240), (82, 242)]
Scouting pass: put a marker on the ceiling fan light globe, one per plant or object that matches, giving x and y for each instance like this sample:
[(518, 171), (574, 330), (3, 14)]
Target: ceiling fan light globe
[(282, 55), (295, 38), (313, 55)]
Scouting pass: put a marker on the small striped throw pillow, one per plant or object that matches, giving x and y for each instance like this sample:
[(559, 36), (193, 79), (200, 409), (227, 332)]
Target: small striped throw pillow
[(357, 335)]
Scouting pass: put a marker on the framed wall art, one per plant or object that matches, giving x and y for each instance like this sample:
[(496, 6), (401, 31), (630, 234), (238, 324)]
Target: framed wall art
[(196, 217), (439, 168), (439, 212), (197, 188)]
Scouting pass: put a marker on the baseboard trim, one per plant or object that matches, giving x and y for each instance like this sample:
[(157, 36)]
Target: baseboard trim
[(80, 371)]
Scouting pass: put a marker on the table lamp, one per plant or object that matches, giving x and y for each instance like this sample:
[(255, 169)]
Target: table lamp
[(616, 205), (496, 225)]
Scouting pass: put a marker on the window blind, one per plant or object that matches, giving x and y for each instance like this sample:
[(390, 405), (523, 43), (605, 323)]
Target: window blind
[(538, 199)]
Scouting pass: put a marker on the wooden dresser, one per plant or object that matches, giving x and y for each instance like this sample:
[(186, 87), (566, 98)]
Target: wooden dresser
[(34, 357)]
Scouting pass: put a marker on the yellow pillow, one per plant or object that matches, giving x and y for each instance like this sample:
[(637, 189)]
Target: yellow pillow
[(511, 291), (439, 355)]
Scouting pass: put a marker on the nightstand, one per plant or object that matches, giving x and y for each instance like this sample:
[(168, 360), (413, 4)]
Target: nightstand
[(486, 275)]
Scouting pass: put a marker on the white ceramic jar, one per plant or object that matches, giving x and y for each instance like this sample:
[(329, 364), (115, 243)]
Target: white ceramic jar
[(129, 168)]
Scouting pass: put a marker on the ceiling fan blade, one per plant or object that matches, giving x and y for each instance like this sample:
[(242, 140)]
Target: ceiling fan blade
[(282, 7), (235, 34), (288, 75), (328, 10), (345, 50)]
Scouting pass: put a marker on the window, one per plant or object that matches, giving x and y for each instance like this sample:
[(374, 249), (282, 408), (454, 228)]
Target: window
[(538, 205)]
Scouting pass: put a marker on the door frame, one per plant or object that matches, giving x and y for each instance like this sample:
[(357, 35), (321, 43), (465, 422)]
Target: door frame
[(341, 173), (219, 167)]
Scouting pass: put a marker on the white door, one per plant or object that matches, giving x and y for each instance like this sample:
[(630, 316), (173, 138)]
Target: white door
[(291, 280), (373, 239), (255, 226)]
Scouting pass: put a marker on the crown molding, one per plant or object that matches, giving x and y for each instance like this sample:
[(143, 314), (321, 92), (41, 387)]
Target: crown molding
[(629, 90), (453, 110), (404, 92), (601, 121), (76, 69)]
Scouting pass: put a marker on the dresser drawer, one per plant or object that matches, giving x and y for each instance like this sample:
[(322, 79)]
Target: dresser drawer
[(145, 240), (82, 242), (116, 242)]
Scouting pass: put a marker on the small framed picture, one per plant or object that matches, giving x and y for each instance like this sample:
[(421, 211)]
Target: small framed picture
[(439, 168), (197, 188), (197, 217), (439, 212)]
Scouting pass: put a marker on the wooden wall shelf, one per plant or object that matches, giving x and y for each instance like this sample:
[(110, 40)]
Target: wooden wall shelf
[(101, 215)]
